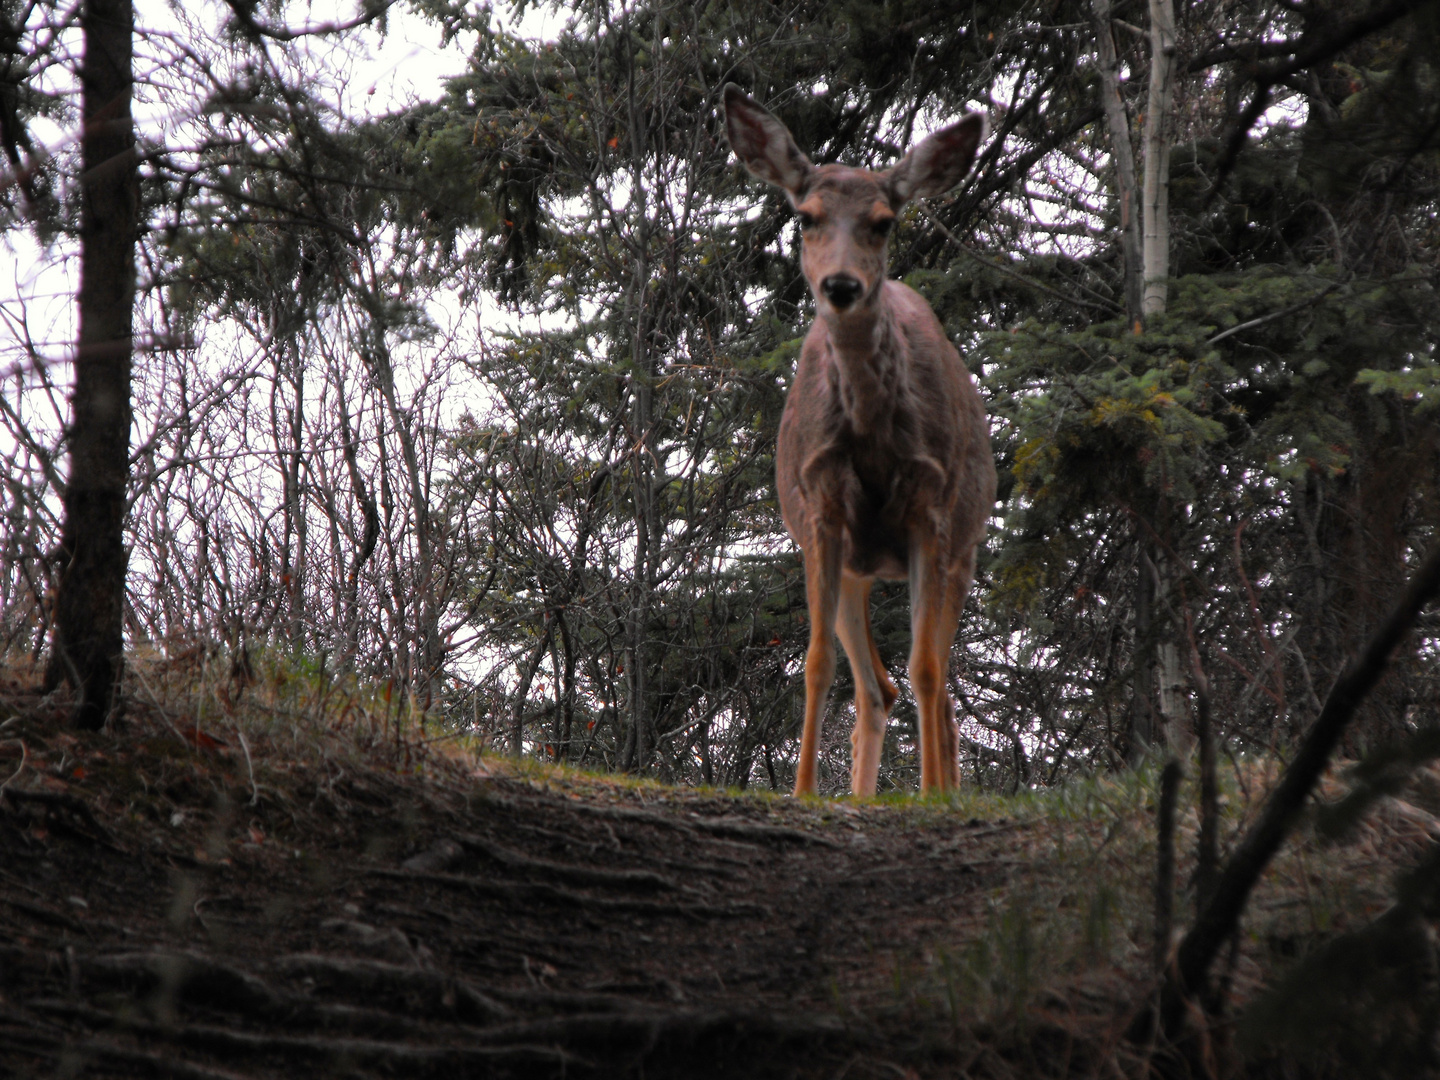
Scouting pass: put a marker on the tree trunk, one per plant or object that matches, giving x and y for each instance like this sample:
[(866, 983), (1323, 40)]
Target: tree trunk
[(1123, 157), (1207, 848), (1147, 268), (1141, 735), (567, 701), (1157, 156), (1171, 692), (428, 652), (1152, 652), (527, 679), (641, 743), (350, 614), (287, 423), (89, 608)]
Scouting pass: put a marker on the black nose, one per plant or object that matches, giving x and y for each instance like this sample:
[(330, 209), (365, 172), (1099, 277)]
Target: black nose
[(842, 290)]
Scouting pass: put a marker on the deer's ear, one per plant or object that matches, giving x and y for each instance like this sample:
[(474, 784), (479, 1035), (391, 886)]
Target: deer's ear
[(938, 163), (764, 144)]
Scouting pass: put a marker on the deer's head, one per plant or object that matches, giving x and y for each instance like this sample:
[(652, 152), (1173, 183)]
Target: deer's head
[(846, 214)]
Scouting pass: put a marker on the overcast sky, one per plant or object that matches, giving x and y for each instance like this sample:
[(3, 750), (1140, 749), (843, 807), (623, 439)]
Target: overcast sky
[(372, 75)]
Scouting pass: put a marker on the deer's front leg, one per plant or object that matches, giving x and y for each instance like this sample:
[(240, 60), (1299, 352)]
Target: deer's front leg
[(822, 590), (874, 692), (934, 614)]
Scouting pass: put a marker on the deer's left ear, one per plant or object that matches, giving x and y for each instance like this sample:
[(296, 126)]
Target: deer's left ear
[(938, 163)]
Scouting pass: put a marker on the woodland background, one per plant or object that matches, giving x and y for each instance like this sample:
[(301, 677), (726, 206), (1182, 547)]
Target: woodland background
[(477, 400)]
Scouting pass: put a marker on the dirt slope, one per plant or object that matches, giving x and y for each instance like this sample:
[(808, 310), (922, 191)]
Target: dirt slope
[(180, 901), (185, 907)]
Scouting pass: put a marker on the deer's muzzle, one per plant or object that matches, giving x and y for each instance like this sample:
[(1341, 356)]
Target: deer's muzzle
[(841, 290)]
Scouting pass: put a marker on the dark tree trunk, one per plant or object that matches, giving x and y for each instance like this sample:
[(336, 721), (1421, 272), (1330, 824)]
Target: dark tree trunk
[(91, 597), (1141, 734)]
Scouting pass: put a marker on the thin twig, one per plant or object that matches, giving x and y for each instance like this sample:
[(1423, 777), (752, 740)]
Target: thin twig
[(24, 759), (1003, 269), (155, 702), (1272, 316), (1198, 949), (249, 766)]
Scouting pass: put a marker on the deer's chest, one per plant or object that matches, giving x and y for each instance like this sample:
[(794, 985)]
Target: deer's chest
[(876, 491), (856, 457)]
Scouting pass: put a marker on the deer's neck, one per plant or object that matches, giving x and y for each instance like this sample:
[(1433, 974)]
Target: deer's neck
[(866, 347)]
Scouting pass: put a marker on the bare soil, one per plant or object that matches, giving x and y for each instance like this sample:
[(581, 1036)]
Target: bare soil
[(174, 903)]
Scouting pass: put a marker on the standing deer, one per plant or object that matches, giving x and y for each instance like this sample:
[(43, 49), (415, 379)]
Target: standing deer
[(883, 463)]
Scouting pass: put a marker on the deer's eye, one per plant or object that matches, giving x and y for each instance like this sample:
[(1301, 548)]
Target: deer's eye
[(806, 220), (883, 226)]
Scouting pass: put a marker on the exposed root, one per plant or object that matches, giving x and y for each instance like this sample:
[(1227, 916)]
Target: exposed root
[(43, 913), (512, 891), (229, 1041), (734, 828), (644, 880), (71, 1053), (421, 992), (765, 834)]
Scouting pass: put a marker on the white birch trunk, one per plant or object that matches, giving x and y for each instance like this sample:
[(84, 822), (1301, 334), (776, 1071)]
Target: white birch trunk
[(1122, 155), (1173, 707), (1157, 155)]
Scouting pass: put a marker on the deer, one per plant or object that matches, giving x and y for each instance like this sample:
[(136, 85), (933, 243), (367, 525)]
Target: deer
[(883, 461)]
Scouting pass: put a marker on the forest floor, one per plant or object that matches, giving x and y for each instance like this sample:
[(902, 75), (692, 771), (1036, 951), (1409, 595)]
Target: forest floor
[(178, 899)]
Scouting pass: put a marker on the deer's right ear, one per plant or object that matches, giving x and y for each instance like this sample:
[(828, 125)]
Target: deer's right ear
[(764, 144)]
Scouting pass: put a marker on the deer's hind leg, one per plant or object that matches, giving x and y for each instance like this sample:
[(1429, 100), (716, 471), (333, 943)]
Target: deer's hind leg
[(937, 593), (959, 581), (874, 692)]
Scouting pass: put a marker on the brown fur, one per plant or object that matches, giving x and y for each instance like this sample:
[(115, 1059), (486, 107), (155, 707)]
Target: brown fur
[(883, 463)]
